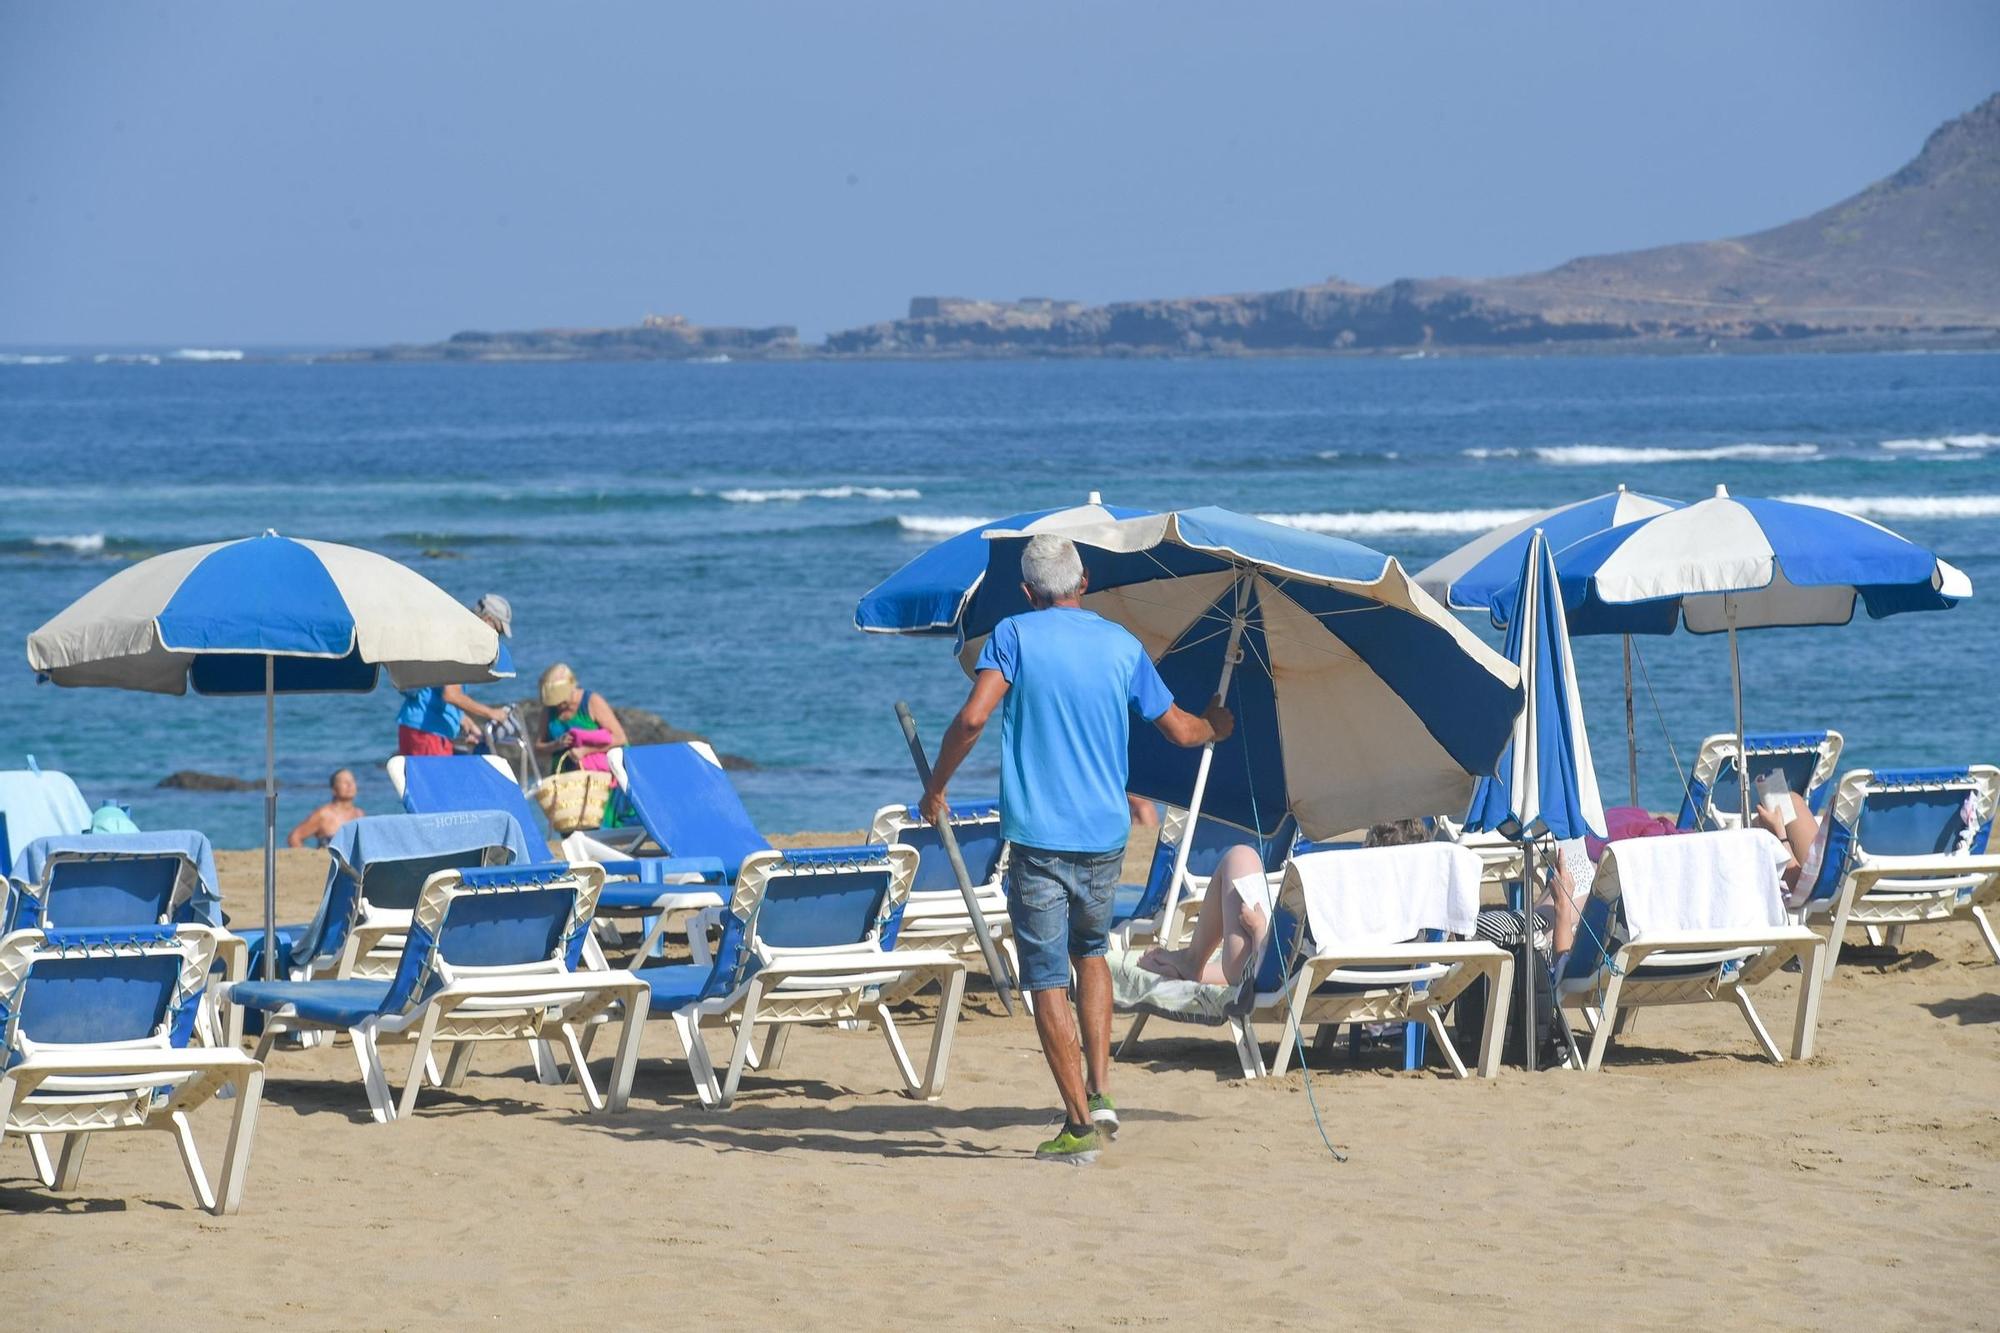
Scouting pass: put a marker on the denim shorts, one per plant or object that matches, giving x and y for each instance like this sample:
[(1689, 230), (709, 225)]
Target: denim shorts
[(1060, 904)]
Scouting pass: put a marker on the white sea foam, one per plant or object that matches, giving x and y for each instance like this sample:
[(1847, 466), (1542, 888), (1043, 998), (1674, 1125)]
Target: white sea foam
[(30, 359), (748, 496), (83, 543), (1941, 444), (1370, 522), (939, 525), (1906, 506), (1614, 455), (208, 354), (126, 359)]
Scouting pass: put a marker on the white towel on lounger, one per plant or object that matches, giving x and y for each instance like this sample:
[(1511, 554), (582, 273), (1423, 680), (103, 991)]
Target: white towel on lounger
[(1373, 896), (1704, 881)]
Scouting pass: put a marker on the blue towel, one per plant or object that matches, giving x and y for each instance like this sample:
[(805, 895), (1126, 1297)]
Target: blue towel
[(205, 908)]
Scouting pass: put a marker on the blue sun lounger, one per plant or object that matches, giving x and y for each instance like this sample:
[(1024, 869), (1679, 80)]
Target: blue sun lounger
[(490, 955), (1807, 759), (1909, 847), (802, 941), (94, 1037), (647, 887), (1303, 981), (934, 917), (1689, 920), (376, 868)]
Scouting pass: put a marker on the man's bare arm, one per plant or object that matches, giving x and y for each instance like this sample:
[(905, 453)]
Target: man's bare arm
[(988, 689), (458, 698), (1188, 731)]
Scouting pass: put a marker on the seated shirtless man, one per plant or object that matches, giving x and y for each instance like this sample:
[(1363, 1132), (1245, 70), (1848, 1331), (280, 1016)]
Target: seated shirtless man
[(324, 822)]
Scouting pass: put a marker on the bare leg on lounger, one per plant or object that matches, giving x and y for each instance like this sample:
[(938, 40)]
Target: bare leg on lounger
[(1225, 934)]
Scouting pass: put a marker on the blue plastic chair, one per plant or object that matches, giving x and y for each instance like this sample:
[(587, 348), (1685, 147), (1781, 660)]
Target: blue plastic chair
[(95, 1030), (490, 955), (1909, 847), (934, 917), (803, 939)]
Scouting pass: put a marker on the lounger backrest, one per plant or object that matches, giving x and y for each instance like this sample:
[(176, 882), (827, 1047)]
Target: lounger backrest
[(1210, 841), (438, 784), (84, 892), (687, 803), (525, 917), (76, 987), (396, 885), (976, 824), (810, 898), (1907, 812), (1806, 758)]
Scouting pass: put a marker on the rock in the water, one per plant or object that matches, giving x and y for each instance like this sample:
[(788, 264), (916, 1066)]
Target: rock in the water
[(190, 780)]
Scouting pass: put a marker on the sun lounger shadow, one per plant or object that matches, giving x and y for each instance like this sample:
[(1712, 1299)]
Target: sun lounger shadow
[(1971, 1010)]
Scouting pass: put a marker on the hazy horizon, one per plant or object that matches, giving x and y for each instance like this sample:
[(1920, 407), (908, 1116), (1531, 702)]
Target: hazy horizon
[(234, 175)]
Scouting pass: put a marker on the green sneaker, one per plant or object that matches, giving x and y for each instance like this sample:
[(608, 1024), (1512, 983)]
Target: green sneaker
[(1104, 1115), (1072, 1149)]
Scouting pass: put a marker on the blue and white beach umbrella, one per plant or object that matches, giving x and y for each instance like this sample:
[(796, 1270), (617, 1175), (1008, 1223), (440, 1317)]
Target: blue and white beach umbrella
[(266, 615), (1469, 578), (929, 594), (1546, 785), (1357, 697), (1726, 564)]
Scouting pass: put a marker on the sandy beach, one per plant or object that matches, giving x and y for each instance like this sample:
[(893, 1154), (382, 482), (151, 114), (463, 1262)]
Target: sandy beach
[(1688, 1181)]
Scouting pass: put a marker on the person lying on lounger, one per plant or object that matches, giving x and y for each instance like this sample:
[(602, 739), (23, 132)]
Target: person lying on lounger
[(1230, 928)]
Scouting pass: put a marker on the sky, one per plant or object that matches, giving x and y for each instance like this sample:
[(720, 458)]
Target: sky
[(257, 174)]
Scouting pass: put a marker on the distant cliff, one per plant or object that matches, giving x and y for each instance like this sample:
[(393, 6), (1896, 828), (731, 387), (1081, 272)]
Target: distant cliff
[(659, 338), (1913, 258)]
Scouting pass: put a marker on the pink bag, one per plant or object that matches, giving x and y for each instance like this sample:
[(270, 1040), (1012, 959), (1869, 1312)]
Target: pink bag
[(1629, 821)]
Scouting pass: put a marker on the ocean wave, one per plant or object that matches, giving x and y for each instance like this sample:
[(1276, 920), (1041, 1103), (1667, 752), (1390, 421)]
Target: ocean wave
[(30, 359), (938, 525), (1370, 522), (1346, 456), (207, 354), (83, 543), (1612, 455), (1941, 444), (1906, 506), (125, 359), (792, 494)]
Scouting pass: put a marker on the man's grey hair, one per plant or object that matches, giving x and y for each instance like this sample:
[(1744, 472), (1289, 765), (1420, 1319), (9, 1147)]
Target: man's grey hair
[(1051, 567)]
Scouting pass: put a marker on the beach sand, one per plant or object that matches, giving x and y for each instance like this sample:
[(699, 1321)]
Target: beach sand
[(1691, 1181)]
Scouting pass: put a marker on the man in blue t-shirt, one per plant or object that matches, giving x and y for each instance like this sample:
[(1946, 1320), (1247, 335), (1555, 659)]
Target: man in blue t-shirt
[(1069, 681)]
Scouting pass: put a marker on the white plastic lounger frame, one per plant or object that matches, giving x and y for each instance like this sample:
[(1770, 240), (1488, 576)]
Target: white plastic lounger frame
[(1883, 892), (936, 918), (534, 1002), (1412, 982), (829, 985), (68, 1092), (1688, 967)]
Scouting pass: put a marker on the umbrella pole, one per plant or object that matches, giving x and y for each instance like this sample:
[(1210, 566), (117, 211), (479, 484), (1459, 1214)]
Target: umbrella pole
[(1631, 730), (1170, 914), (1528, 956), (270, 817), (1742, 754), (1004, 980)]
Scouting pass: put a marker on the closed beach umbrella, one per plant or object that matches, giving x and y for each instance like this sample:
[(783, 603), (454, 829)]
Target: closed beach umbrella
[(1470, 577), (1357, 696), (1727, 564), (267, 615), (1545, 786)]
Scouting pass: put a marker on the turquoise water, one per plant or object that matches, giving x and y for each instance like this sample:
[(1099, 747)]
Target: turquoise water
[(692, 538)]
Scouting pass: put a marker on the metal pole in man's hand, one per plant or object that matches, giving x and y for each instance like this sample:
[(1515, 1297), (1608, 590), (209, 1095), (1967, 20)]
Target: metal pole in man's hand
[(996, 963)]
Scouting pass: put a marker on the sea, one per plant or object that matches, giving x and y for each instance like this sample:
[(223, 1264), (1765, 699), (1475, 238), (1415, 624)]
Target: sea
[(692, 538)]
